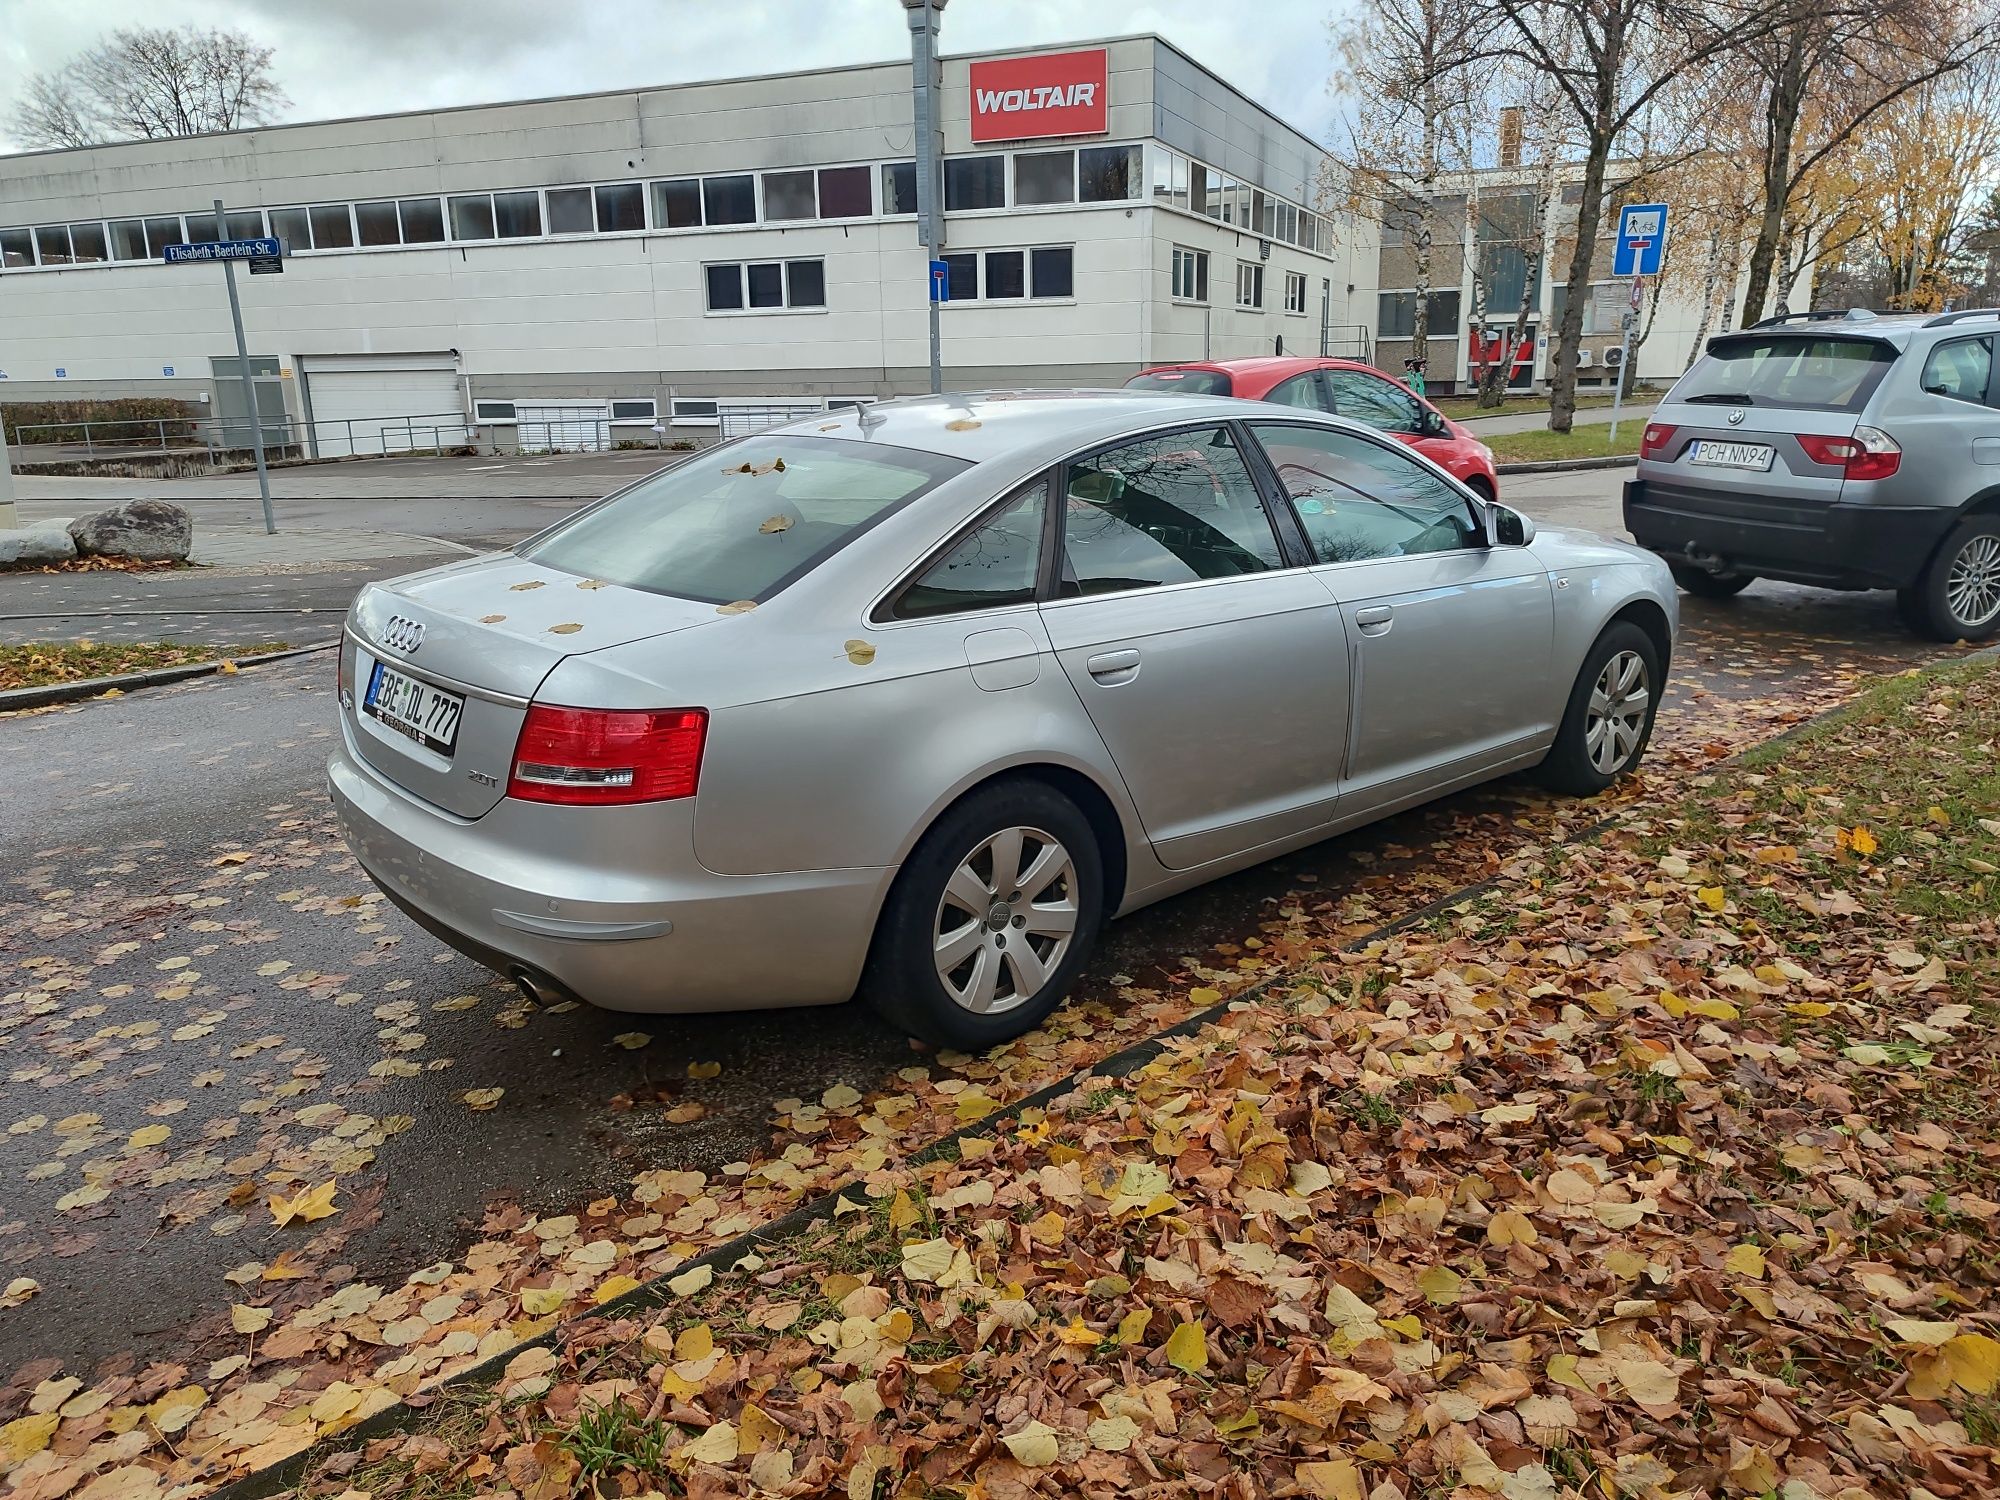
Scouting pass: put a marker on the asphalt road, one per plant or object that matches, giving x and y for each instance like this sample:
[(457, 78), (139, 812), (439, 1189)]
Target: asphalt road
[(184, 943)]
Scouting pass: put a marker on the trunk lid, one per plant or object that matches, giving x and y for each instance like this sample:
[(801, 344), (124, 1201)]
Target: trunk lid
[(487, 631)]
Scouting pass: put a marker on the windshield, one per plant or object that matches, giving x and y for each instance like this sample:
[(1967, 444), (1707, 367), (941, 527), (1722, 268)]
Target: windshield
[(742, 521), (1798, 370), (1187, 382)]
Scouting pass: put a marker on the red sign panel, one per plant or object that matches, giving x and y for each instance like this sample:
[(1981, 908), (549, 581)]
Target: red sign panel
[(1024, 98)]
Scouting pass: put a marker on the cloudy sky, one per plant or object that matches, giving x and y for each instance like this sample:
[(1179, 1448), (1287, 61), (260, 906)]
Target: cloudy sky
[(351, 57)]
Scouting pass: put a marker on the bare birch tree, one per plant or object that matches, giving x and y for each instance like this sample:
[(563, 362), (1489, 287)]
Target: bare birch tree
[(149, 83)]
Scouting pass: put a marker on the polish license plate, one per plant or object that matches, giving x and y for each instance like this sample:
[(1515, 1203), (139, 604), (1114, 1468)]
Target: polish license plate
[(415, 709), (1731, 455)]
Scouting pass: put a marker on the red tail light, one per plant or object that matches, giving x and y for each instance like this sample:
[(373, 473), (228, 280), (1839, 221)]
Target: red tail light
[(1653, 441), (604, 757), (1870, 454)]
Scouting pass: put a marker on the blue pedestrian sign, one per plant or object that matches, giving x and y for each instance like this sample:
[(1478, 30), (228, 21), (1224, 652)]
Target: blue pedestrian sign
[(211, 250), (1642, 239), (940, 281)]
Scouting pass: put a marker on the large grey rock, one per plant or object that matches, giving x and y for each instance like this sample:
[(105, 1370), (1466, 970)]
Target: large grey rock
[(146, 529), (41, 543)]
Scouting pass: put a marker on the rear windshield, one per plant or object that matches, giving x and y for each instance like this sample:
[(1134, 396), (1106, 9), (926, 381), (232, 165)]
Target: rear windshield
[(1797, 370), (1187, 382), (742, 521)]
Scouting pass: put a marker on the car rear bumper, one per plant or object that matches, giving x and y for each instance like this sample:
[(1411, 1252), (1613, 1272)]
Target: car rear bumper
[(1832, 545), (681, 939)]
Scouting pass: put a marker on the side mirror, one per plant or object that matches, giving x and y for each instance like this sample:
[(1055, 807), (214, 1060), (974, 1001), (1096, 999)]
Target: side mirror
[(1433, 424), (1510, 527)]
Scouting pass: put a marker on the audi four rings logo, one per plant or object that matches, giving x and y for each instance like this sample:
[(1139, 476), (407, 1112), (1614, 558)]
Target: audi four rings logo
[(403, 635)]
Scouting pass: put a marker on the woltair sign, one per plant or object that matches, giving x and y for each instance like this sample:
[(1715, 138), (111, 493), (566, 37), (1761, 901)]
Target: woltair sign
[(1023, 98)]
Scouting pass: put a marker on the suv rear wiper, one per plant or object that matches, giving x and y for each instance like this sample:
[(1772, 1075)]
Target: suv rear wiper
[(1722, 398)]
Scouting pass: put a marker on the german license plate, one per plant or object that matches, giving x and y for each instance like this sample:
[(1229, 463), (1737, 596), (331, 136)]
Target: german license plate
[(414, 709), (1731, 455)]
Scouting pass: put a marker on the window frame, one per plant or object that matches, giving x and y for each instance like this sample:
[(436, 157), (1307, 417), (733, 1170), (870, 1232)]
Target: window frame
[(481, 419), (882, 611), (981, 298), (1295, 279), (676, 419), (745, 308), (1990, 397), (651, 403), (1197, 262), (1482, 524), (1256, 268)]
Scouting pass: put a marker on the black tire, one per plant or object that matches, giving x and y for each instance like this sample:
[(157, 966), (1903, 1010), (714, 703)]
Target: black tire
[(902, 981), (1705, 585), (1570, 766), (1481, 486), (1928, 604)]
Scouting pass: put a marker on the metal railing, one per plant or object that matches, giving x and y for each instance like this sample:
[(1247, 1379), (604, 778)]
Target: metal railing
[(214, 438), (1347, 341)]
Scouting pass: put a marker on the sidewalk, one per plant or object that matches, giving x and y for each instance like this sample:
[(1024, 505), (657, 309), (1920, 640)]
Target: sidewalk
[(247, 549), (1536, 421)]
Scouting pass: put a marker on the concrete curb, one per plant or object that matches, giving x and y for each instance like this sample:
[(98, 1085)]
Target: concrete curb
[(1568, 465), (125, 682)]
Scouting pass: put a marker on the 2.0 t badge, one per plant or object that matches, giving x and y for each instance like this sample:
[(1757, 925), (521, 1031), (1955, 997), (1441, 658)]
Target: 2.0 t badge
[(403, 634)]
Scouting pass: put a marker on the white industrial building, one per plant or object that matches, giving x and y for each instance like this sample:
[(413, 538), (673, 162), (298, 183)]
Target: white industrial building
[(689, 255)]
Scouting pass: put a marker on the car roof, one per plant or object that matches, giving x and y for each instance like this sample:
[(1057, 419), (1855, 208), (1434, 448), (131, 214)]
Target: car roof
[(1266, 364), (982, 425)]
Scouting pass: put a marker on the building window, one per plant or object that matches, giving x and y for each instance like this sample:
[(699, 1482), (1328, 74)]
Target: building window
[(422, 220), (1295, 292), (291, 226), (1205, 190), (377, 222), (789, 195), (1396, 314), (52, 244), (1249, 283), (128, 238), (17, 248), (473, 217), (899, 187), (494, 413), (87, 245), (974, 182), (1190, 274), (201, 228), (1170, 179), (518, 216), (1008, 275), (570, 212), (844, 193), (1045, 177), (621, 208), (695, 411), (332, 226), (1051, 272), (635, 410), (677, 205), (729, 200), (245, 224), (764, 286)]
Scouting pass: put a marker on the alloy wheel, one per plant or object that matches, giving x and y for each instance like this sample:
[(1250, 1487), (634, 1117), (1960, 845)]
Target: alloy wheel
[(1617, 717), (1006, 920), (1972, 586)]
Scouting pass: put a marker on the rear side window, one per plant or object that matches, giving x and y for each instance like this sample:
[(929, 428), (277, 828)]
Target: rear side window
[(1961, 369), (1802, 371), (1188, 382), (741, 521), (996, 563), (1167, 509)]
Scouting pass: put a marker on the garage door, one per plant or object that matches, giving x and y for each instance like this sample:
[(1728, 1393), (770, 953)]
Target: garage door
[(384, 403)]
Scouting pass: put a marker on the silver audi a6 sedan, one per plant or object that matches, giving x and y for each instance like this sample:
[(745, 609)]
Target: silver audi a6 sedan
[(910, 700)]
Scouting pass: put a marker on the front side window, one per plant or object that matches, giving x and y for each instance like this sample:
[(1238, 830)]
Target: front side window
[(1045, 177), (1800, 371), (744, 520), (1168, 509), (1961, 369), (996, 563), (1360, 499), (975, 182), (1369, 399), (1300, 390)]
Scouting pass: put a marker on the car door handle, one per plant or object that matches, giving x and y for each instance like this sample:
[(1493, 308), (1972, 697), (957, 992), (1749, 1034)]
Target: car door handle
[(1375, 620), (1114, 667)]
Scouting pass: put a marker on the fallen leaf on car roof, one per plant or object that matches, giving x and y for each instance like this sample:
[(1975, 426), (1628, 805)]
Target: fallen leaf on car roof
[(568, 628), (861, 653), (522, 588), (774, 524)]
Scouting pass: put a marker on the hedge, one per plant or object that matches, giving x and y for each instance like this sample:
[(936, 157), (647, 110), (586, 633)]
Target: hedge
[(180, 416)]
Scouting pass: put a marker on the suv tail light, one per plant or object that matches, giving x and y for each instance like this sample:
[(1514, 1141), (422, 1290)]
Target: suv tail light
[(1653, 441), (1870, 454), (604, 757)]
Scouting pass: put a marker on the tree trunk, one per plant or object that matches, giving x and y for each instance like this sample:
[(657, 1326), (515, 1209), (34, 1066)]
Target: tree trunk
[(1711, 280), (1733, 269), (1781, 116), (1569, 336)]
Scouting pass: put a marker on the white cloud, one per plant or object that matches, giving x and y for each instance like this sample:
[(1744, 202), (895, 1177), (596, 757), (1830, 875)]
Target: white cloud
[(354, 57)]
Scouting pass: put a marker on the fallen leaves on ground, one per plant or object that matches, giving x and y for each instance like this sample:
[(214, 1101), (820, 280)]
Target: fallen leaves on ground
[(43, 663)]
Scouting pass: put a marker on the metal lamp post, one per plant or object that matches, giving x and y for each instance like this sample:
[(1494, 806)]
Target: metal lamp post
[(927, 76)]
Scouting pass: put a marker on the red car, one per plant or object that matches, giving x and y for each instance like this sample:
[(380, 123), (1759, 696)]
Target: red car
[(1346, 388)]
